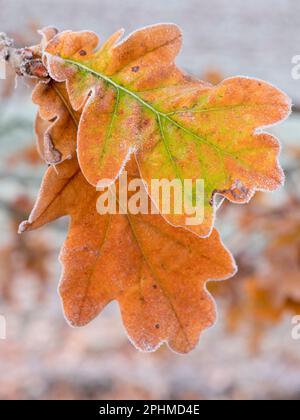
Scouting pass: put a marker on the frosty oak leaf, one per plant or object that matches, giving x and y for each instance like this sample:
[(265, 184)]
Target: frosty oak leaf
[(155, 271), (136, 100)]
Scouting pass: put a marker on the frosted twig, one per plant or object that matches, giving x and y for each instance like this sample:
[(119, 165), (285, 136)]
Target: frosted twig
[(24, 61)]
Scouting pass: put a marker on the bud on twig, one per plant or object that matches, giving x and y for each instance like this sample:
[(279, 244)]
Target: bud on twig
[(24, 61)]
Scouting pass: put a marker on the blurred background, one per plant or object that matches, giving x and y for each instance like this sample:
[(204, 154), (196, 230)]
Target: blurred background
[(250, 353)]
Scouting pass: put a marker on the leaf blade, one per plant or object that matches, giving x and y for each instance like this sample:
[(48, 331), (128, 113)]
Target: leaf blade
[(211, 124), (156, 272)]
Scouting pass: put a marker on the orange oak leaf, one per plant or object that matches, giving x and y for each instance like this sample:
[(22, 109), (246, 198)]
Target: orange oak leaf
[(156, 272), (137, 100)]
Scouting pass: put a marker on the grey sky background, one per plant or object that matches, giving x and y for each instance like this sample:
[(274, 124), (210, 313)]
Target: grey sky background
[(256, 38)]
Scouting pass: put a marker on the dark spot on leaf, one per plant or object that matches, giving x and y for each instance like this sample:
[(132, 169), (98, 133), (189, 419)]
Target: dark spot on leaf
[(154, 286), (157, 326), (82, 52), (135, 69)]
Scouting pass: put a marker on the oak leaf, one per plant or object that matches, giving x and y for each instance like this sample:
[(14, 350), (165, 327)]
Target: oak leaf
[(56, 122), (137, 100), (155, 271)]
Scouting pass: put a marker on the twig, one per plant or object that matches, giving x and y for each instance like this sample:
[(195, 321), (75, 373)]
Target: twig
[(24, 61)]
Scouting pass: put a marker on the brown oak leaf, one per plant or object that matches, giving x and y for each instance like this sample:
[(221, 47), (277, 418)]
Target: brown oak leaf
[(155, 271)]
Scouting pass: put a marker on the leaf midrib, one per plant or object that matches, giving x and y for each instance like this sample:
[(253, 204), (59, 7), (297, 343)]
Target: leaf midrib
[(146, 104)]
